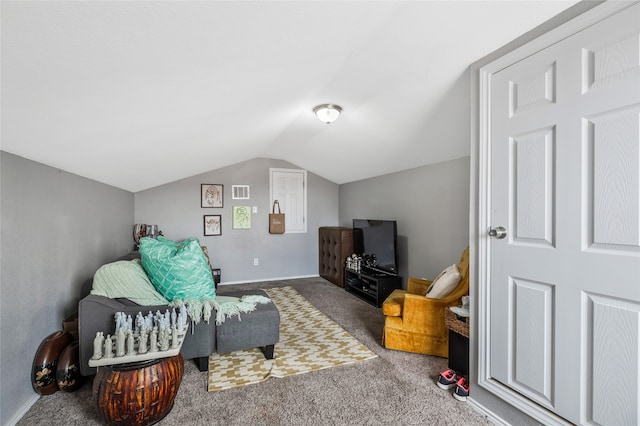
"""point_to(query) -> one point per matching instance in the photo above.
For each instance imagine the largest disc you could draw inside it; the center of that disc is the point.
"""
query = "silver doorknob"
(499, 232)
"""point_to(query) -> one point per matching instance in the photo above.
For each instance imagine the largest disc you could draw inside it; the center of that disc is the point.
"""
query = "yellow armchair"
(415, 323)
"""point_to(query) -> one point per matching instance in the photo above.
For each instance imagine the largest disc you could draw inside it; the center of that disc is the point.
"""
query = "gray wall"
(175, 207)
(57, 228)
(431, 205)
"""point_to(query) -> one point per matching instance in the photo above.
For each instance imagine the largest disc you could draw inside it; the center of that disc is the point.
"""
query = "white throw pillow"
(444, 283)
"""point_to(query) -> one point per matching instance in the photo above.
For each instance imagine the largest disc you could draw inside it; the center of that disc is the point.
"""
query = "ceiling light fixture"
(327, 113)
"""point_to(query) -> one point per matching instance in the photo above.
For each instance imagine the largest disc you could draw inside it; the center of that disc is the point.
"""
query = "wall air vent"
(240, 192)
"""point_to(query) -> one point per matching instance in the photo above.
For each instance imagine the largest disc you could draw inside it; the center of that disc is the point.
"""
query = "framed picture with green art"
(241, 217)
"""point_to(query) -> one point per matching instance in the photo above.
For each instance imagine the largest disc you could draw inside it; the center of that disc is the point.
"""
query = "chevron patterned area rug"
(309, 341)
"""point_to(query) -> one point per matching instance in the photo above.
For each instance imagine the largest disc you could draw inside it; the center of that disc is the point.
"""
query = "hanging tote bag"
(276, 220)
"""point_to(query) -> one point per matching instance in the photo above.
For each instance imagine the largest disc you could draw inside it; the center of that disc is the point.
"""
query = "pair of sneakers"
(449, 379)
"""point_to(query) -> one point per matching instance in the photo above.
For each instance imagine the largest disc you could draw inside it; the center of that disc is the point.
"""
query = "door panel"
(611, 332)
(533, 90)
(564, 286)
(534, 347)
(613, 179)
(607, 62)
(533, 167)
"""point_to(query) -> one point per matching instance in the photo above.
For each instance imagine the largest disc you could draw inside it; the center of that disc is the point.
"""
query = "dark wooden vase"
(45, 363)
(140, 393)
(68, 373)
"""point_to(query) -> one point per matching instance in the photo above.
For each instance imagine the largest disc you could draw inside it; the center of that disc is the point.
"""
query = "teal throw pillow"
(178, 270)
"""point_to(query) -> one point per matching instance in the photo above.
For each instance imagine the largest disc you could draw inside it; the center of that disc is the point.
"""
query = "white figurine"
(174, 337)
(142, 342)
(97, 345)
(153, 345)
(139, 322)
(120, 340)
(108, 347)
(130, 344)
(182, 318)
(149, 321)
(118, 318)
(129, 324)
(164, 339)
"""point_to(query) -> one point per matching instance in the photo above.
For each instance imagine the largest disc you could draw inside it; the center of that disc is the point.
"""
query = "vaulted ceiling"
(138, 94)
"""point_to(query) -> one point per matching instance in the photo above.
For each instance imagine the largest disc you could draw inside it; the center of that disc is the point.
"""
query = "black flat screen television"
(377, 242)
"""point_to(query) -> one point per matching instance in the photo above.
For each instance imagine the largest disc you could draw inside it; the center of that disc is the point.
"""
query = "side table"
(458, 342)
(137, 393)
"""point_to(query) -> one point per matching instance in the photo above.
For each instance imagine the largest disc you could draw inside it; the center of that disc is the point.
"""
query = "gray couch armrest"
(96, 313)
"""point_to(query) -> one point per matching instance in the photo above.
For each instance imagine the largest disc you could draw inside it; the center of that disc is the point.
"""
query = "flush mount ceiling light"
(327, 113)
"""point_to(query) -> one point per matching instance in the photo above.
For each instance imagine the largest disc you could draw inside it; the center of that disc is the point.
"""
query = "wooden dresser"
(334, 245)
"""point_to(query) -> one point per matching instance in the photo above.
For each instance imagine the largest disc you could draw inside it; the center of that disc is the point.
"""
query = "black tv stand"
(371, 286)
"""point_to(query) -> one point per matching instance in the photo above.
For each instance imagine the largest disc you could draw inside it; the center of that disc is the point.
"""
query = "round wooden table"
(137, 393)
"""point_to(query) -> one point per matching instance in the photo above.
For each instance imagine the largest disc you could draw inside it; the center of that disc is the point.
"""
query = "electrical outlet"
(255, 261)
(255, 209)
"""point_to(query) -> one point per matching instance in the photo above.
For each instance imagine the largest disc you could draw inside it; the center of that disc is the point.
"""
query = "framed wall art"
(211, 195)
(212, 225)
(241, 217)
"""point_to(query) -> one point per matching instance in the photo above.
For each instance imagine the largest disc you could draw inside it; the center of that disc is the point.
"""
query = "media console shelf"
(372, 287)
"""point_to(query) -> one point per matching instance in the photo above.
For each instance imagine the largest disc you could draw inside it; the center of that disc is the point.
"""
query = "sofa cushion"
(444, 283)
(178, 270)
(126, 279)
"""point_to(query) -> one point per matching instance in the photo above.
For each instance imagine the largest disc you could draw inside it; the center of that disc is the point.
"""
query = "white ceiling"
(138, 94)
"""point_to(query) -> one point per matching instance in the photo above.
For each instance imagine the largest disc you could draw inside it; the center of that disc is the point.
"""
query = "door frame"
(571, 21)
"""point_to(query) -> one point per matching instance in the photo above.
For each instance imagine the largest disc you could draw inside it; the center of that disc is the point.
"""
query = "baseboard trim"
(493, 417)
(23, 410)
(268, 279)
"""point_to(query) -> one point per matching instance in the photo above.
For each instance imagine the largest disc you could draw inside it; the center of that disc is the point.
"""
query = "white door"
(288, 186)
(564, 284)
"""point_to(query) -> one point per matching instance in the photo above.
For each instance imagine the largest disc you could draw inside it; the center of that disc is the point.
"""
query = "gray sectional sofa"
(256, 329)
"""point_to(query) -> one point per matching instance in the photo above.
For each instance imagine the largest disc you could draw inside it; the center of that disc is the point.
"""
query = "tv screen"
(377, 238)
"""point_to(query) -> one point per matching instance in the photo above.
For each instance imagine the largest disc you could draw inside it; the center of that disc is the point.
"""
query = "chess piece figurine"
(97, 346)
(129, 324)
(130, 344)
(182, 318)
(153, 345)
(120, 341)
(142, 342)
(164, 339)
(118, 318)
(108, 347)
(139, 322)
(174, 337)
